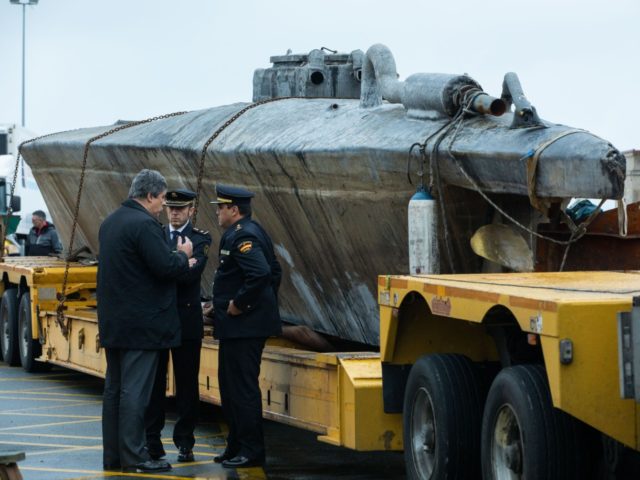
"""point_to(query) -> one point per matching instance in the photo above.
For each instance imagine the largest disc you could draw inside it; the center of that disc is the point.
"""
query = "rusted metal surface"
(601, 248)
(330, 178)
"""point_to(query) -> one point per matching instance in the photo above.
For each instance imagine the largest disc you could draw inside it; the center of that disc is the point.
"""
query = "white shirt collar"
(171, 229)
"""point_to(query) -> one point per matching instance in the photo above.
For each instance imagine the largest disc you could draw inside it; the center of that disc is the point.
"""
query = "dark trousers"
(186, 365)
(238, 373)
(127, 390)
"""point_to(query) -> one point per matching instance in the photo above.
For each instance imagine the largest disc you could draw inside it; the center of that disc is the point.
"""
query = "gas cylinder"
(423, 234)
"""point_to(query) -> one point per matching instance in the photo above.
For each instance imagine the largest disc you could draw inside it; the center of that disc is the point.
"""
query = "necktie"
(174, 237)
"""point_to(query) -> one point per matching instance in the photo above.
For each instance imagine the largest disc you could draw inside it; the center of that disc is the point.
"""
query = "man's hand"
(207, 309)
(185, 246)
(192, 262)
(232, 309)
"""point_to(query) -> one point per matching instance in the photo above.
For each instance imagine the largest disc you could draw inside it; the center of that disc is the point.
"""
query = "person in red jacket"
(43, 237)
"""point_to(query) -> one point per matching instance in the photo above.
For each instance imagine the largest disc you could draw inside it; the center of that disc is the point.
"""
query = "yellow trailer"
(513, 375)
(510, 373)
(31, 285)
(337, 395)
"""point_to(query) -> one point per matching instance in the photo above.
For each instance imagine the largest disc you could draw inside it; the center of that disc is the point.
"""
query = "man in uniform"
(137, 317)
(245, 313)
(186, 356)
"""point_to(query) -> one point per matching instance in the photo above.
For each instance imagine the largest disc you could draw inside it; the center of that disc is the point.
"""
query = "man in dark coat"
(186, 356)
(43, 237)
(245, 313)
(137, 316)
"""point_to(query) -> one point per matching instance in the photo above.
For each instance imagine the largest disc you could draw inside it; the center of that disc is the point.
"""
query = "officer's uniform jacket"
(188, 284)
(249, 274)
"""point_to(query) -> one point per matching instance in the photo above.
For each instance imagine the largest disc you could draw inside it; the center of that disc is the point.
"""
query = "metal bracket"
(629, 351)
(525, 115)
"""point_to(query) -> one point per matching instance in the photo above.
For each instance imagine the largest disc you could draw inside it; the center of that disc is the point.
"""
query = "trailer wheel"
(442, 418)
(524, 436)
(30, 349)
(9, 327)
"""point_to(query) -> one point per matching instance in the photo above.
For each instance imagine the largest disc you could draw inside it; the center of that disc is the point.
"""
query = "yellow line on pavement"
(100, 473)
(41, 388)
(256, 473)
(55, 415)
(46, 425)
(59, 451)
(48, 377)
(33, 444)
(51, 394)
(31, 409)
(38, 399)
(50, 435)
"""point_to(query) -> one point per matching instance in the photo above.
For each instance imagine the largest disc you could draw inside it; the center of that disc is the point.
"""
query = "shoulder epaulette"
(202, 232)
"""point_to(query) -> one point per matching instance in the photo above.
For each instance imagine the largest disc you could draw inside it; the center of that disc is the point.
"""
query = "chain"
(215, 135)
(62, 295)
(13, 189)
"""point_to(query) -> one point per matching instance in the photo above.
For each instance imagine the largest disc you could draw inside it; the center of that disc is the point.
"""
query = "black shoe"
(185, 454)
(156, 453)
(242, 462)
(150, 466)
(223, 456)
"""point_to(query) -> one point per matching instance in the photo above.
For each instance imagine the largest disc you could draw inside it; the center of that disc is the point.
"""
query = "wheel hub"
(423, 434)
(507, 454)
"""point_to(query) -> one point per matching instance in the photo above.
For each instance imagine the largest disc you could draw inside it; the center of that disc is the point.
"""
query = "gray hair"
(145, 182)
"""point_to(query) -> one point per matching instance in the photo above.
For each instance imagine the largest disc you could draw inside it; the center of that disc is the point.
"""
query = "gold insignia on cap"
(174, 194)
(245, 247)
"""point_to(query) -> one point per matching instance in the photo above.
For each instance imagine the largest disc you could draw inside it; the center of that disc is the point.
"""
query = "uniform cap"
(179, 198)
(232, 195)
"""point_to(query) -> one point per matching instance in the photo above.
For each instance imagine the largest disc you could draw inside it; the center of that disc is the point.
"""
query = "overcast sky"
(92, 62)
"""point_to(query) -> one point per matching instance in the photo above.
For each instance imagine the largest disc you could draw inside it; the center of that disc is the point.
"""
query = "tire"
(30, 349)
(9, 327)
(442, 418)
(524, 436)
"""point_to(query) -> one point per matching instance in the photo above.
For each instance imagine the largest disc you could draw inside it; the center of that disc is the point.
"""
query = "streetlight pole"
(24, 4)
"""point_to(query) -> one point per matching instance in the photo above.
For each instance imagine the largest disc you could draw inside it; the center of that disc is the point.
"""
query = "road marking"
(52, 394)
(37, 399)
(100, 473)
(51, 407)
(51, 435)
(56, 445)
(55, 415)
(41, 388)
(46, 425)
(58, 451)
(49, 377)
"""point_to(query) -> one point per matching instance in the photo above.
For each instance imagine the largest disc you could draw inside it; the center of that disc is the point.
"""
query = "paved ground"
(55, 418)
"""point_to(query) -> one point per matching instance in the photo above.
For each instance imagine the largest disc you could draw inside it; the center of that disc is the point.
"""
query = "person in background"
(186, 356)
(137, 317)
(245, 313)
(43, 237)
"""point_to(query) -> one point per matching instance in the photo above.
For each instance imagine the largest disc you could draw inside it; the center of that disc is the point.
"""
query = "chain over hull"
(331, 186)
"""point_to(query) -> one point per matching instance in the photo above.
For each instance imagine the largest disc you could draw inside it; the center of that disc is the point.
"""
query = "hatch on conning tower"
(316, 74)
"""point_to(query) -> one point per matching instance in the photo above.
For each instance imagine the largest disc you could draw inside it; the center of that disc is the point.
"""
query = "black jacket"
(189, 307)
(250, 274)
(136, 282)
(44, 243)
